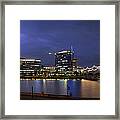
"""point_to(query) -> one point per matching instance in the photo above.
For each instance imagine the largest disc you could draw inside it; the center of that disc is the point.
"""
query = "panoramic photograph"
(59, 59)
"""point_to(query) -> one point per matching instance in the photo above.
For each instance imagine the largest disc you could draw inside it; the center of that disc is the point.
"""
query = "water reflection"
(90, 89)
(76, 88)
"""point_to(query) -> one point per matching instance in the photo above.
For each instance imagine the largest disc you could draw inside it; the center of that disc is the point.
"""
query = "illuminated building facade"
(74, 64)
(63, 60)
(29, 67)
(49, 71)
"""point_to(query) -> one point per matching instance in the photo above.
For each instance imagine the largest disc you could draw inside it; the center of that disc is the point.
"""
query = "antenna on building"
(71, 48)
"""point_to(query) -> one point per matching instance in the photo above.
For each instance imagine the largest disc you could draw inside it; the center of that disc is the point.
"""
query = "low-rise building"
(29, 67)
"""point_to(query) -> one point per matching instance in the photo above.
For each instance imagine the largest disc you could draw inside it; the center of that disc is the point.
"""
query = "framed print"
(59, 59)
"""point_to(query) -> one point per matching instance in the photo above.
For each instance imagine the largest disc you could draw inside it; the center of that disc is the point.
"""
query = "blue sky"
(38, 38)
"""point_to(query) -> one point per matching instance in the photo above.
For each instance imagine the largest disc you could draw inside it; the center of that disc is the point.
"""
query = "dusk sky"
(38, 38)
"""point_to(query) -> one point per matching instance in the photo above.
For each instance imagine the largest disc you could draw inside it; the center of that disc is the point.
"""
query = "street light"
(50, 53)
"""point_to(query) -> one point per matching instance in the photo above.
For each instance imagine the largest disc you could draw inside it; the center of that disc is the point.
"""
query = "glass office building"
(63, 60)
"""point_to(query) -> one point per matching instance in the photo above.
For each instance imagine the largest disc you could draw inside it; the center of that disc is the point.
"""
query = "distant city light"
(65, 67)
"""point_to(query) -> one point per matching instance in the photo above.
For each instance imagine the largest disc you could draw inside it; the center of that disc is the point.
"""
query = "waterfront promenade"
(41, 96)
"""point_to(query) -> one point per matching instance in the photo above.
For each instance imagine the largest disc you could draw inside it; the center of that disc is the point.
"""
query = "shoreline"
(42, 96)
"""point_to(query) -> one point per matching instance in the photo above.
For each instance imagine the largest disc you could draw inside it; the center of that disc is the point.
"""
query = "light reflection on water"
(77, 88)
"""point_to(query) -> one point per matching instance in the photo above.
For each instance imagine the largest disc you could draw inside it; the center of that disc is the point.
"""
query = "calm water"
(77, 88)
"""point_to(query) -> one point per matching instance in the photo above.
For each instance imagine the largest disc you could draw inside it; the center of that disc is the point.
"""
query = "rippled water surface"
(77, 88)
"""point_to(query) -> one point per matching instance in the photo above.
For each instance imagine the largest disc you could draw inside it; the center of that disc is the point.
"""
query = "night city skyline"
(42, 38)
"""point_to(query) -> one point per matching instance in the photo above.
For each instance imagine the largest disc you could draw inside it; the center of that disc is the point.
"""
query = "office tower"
(63, 60)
